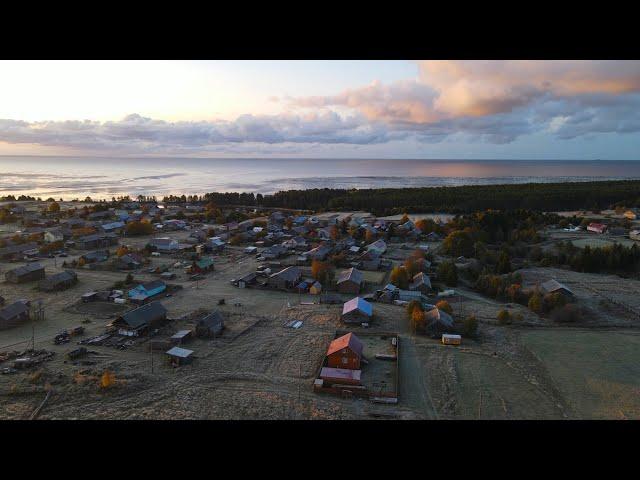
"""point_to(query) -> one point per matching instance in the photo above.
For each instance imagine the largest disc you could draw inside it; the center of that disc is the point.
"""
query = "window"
(345, 360)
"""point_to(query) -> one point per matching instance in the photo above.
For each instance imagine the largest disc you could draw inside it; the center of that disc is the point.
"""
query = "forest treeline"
(461, 199)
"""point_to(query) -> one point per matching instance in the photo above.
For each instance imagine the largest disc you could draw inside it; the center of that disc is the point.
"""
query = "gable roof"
(290, 273)
(144, 314)
(553, 285)
(358, 303)
(437, 316)
(213, 319)
(346, 341)
(352, 275)
(13, 310)
(26, 269)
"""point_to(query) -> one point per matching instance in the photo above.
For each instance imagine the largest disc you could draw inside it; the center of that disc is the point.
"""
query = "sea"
(104, 178)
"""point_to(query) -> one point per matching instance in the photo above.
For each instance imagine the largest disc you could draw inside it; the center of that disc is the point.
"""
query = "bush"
(448, 273)
(470, 326)
(504, 317)
(535, 303)
(400, 277)
(413, 305)
(139, 228)
(444, 306)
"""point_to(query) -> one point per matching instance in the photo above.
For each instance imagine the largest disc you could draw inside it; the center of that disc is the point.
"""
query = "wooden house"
(27, 273)
(345, 352)
(350, 281)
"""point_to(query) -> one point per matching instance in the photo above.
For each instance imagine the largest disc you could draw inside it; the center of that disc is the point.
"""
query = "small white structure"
(450, 339)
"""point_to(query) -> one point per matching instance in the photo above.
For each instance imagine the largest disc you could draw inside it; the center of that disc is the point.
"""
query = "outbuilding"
(59, 281)
(27, 273)
(179, 356)
(210, 326)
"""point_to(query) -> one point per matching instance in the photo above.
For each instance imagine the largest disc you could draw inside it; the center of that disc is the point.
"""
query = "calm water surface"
(106, 177)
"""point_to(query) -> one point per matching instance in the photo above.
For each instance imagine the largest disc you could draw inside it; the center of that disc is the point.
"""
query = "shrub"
(400, 277)
(448, 273)
(470, 326)
(504, 317)
(139, 228)
(444, 306)
(535, 303)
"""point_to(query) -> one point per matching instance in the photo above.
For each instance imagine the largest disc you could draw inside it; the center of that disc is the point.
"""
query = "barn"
(210, 325)
(553, 286)
(26, 273)
(345, 352)
(59, 281)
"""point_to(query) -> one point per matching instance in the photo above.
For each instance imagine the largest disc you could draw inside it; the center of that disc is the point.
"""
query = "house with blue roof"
(144, 291)
(357, 310)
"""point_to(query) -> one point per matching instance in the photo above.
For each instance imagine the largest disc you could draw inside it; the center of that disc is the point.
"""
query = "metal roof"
(358, 303)
(179, 352)
(144, 314)
(13, 310)
(352, 275)
(346, 341)
(553, 285)
(28, 268)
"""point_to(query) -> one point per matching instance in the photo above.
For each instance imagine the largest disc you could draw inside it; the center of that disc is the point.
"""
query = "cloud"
(500, 100)
(141, 134)
(486, 101)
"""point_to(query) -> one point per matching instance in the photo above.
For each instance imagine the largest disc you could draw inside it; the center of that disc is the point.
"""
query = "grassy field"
(601, 242)
(373, 277)
(598, 373)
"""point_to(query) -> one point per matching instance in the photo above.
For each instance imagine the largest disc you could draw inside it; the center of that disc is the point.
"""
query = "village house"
(286, 279)
(13, 315)
(315, 288)
(96, 256)
(129, 261)
(596, 227)
(553, 286)
(319, 253)
(27, 273)
(275, 251)
(378, 247)
(113, 227)
(369, 261)
(437, 320)
(357, 310)
(136, 322)
(350, 281)
(345, 352)
(144, 291)
(215, 244)
(97, 240)
(54, 235)
(421, 282)
(210, 326)
(17, 252)
(164, 244)
(58, 281)
(203, 265)
(247, 280)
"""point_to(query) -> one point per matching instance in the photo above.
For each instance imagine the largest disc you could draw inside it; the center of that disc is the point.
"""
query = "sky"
(328, 109)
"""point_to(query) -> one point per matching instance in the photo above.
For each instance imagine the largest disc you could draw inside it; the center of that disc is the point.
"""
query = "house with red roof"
(345, 352)
(596, 227)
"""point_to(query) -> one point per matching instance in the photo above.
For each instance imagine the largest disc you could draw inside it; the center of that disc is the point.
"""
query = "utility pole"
(151, 350)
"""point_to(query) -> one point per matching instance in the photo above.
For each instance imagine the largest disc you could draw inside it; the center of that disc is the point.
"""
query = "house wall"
(355, 316)
(349, 287)
(30, 277)
(344, 358)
